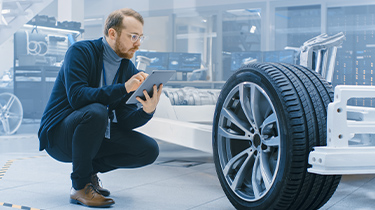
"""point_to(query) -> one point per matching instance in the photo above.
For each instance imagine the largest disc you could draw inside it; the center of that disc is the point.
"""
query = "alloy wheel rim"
(11, 113)
(249, 141)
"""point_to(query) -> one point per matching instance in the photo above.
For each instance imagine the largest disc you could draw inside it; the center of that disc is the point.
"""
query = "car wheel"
(268, 118)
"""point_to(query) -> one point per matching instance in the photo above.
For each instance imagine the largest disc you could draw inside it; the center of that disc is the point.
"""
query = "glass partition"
(355, 59)
(295, 25)
(241, 38)
(184, 43)
(195, 40)
(207, 45)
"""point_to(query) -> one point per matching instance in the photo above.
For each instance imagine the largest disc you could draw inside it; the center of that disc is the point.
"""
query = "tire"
(268, 118)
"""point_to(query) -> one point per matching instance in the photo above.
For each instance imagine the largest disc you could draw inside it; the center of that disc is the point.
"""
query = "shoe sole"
(73, 201)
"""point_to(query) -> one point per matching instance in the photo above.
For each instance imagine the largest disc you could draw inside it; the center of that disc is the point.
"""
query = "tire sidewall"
(262, 79)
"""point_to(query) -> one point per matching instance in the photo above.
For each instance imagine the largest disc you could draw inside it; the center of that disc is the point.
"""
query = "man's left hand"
(149, 105)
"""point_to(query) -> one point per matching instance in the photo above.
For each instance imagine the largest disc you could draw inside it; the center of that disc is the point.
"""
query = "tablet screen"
(156, 77)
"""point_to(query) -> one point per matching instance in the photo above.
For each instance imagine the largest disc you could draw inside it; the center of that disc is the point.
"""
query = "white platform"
(350, 135)
(168, 184)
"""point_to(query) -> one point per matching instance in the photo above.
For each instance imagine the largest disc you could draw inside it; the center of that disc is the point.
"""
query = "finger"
(136, 83)
(143, 75)
(140, 100)
(160, 90)
(146, 95)
(155, 91)
(140, 78)
(134, 80)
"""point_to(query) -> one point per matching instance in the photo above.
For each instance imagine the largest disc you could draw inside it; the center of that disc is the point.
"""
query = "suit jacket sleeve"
(130, 116)
(81, 73)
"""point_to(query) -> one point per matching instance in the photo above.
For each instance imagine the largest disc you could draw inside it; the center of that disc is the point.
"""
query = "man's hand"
(149, 105)
(135, 81)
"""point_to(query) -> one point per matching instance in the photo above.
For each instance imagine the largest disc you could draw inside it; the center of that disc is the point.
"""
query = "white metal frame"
(344, 122)
(187, 134)
(188, 126)
(350, 130)
(325, 48)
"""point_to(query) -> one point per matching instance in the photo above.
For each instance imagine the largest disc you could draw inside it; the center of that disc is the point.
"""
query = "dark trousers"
(79, 139)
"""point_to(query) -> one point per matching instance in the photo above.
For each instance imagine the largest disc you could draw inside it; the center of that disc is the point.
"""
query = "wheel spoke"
(268, 112)
(228, 135)
(234, 160)
(272, 142)
(254, 103)
(14, 115)
(265, 169)
(244, 94)
(10, 103)
(256, 186)
(241, 174)
(235, 120)
(269, 120)
(6, 126)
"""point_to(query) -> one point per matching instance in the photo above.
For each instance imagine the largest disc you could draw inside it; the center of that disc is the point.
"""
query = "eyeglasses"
(136, 37)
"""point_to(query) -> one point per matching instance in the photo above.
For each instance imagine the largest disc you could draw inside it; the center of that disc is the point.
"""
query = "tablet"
(156, 77)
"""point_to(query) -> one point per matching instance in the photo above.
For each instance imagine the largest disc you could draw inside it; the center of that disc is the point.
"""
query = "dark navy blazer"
(77, 85)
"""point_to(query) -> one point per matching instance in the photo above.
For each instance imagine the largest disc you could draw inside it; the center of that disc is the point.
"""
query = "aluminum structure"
(350, 130)
(350, 135)
(273, 121)
(319, 54)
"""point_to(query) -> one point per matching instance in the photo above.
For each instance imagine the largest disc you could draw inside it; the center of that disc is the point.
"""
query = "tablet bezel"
(156, 77)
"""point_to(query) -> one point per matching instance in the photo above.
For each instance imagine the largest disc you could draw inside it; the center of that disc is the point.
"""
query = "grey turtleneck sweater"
(111, 63)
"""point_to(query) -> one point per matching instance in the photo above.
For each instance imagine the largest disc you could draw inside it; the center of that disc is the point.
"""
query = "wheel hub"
(257, 141)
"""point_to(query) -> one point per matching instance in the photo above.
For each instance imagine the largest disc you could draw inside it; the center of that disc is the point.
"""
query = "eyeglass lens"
(135, 37)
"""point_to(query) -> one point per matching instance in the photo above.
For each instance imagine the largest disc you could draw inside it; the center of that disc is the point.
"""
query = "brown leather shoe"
(88, 196)
(95, 181)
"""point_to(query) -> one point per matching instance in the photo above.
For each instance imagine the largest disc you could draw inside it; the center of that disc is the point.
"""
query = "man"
(86, 120)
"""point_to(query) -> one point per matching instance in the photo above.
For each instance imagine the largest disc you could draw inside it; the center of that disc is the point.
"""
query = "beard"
(122, 52)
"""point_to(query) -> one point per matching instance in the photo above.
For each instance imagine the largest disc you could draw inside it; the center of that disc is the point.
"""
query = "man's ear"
(112, 33)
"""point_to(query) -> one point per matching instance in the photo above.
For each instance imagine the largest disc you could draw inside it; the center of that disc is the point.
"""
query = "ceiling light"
(252, 29)
(5, 11)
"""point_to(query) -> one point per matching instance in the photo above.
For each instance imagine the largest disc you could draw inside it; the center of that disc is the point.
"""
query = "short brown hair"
(114, 20)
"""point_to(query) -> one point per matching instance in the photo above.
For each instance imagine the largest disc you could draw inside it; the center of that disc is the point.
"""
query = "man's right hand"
(135, 81)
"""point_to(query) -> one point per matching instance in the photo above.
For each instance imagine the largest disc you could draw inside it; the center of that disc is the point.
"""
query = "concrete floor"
(181, 178)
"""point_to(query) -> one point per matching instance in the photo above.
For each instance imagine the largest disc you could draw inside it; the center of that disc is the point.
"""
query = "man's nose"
(137, 43)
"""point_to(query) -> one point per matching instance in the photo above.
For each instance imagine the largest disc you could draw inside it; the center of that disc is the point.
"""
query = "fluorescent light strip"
(52, 29)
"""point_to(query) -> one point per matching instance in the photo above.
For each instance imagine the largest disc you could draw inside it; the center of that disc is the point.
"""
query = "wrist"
(148, 111)
(126, 87)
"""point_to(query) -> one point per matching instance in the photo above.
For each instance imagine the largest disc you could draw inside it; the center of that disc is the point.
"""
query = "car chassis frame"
(350, 145)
